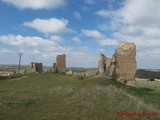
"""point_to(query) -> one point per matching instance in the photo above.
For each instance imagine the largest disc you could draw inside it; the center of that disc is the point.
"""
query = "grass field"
(52, 96)
(154, 85)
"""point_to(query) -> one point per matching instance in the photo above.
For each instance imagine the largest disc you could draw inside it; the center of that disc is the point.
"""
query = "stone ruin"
(122, 65)
(60, 65)
(54, 69)
(76, 74)
(102, 63)
(36, 67)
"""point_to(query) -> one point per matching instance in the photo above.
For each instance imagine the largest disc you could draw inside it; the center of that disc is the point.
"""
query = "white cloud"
(137, 21)
(45, 50)
(25, 41)
(93, 33)
(36, 52)
(52, 25)
(100, 50)
(105, 13)
(152, 32)
(108, 42)
(135, 12)
(141, 12)
(100, 38)
(56, 38)
(36, 4)
(77, 15)
(77, 40)
(4, 51)
(91, 2)
(82, 57)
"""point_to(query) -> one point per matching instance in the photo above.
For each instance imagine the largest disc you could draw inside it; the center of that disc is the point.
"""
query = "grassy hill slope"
(52, 96)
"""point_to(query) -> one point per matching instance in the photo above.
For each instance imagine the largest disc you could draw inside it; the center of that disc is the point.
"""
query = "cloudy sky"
(42, 29)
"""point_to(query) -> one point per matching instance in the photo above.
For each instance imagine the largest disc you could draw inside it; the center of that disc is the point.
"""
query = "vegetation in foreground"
(52, 96)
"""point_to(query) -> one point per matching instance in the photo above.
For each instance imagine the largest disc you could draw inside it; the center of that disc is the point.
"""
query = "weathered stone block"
(102, 64)
(60, 65)
(36, 67)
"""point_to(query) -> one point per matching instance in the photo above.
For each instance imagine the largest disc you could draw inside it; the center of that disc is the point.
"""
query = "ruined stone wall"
(32, 67)
(125, 69)
(110, 67)
(54, 69)
(61, 63)
(102, 64)
(122, 65)
(36, 67)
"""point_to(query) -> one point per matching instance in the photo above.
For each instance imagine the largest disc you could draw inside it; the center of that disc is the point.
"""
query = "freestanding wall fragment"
(54, 69)
(125, 67)
(110, 67)
(102, 64)
(61, 63)
(122, 65)
(106, 65)
(36, 67)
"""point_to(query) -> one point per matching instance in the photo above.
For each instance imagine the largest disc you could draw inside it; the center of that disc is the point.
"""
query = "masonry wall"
(102, 64)
(125, 62)
(122, 65)
(61, 63)
(36, 67)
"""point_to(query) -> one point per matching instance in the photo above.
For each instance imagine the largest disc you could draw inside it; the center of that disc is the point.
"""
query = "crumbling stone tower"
(36, 67)
(122, 65)
(125, 66)
(102, 64)
(60, 65)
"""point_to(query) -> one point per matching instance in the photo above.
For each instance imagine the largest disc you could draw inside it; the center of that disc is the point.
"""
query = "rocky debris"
(60, 65)
(70, 72)
(47, 70)
(76, 74)
(36, 67)
(79, 75)
(122, 65)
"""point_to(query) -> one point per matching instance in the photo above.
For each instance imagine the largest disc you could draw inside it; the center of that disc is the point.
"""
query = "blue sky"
(81, 29)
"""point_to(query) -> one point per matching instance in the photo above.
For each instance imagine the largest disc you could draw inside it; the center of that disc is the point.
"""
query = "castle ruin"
(60, 65)
(102, 64)
(36, 67)
(122, 65)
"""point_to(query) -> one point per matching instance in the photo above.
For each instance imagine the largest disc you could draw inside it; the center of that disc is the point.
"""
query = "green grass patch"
(148, 93)
(52, 96)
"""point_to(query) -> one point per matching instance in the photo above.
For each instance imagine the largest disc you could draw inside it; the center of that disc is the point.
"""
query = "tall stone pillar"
(61, 63)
